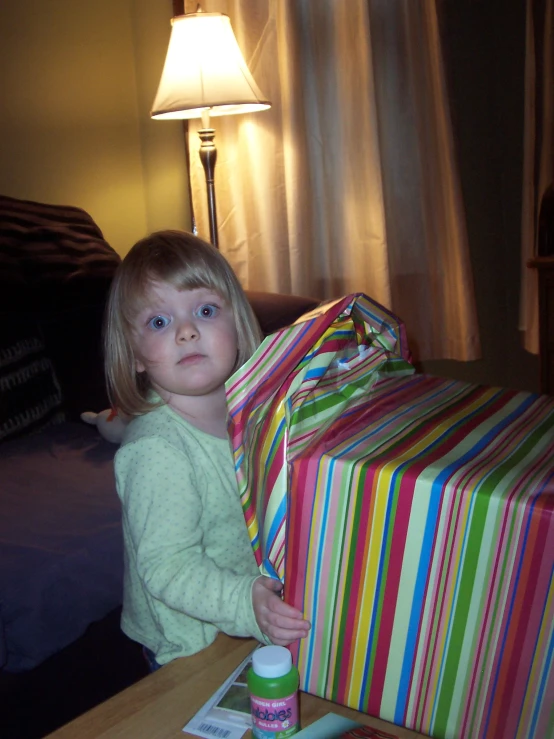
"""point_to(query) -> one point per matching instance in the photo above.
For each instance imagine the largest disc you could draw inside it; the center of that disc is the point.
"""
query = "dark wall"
(484, 47)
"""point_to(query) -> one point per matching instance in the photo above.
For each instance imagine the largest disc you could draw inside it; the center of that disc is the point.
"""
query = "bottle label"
(274, 718)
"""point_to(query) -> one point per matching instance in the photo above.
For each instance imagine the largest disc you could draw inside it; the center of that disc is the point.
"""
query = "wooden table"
(158, 706)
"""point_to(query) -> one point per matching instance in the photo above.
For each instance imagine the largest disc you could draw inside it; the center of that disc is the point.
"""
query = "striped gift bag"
(289, 393)
(412, 520)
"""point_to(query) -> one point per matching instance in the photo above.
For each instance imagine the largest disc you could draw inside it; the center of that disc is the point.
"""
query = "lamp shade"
(204, 68)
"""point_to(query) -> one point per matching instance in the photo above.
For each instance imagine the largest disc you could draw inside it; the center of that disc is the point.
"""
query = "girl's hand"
(281, 622)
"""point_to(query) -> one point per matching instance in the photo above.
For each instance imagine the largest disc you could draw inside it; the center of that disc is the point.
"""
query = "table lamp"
(205, 75)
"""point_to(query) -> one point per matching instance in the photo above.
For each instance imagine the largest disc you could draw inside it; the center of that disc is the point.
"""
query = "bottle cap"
(271, 661)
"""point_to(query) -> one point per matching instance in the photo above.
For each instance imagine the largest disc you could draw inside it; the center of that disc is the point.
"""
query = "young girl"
(177, 326)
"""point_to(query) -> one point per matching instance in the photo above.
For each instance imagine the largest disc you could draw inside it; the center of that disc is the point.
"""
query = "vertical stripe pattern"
(411, 519)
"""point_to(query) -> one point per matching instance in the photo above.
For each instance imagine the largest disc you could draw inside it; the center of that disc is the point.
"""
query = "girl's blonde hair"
(187, 263)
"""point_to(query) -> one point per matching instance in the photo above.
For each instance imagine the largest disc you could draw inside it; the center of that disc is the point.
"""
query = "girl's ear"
(139, 367)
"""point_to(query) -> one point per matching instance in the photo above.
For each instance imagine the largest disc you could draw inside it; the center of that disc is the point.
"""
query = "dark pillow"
(30, 394)
(23, 215)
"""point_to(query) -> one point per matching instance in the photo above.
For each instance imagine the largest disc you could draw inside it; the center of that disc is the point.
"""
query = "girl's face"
(185, 341)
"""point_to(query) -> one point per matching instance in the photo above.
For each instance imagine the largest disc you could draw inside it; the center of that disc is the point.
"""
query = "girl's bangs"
(180, 276)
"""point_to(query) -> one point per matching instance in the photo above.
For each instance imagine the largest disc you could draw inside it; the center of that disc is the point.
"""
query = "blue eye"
(158, 322)
(207, 311)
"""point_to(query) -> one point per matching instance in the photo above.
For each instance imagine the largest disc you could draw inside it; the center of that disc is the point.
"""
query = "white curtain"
(348, 183)
(538, 162)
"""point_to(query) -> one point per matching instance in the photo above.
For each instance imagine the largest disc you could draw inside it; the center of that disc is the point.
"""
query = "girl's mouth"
(191, 359)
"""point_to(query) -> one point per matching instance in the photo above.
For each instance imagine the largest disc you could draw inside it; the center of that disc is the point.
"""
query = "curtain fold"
(348, 183)
(538, 153)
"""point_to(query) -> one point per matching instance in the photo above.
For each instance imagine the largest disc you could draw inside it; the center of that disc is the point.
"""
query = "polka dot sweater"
(189, 566)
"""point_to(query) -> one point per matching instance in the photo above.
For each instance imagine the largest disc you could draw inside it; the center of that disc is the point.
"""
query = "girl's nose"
(187, 332)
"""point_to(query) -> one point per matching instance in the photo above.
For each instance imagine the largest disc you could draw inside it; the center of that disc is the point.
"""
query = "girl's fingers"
(277, 621)
(284, 609)
(283, 637)
(290, 624)
(271, 584)
(282, 621)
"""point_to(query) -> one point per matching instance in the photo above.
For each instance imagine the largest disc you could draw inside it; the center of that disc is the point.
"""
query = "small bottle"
(273, 684)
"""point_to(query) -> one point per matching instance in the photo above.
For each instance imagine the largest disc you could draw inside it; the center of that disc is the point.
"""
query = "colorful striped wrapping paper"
(411, 521)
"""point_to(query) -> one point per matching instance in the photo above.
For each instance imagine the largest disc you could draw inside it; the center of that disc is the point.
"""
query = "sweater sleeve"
(162, 504)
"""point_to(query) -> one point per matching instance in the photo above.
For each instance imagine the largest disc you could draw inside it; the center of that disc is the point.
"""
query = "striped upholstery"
(415, 528)
(30, 394)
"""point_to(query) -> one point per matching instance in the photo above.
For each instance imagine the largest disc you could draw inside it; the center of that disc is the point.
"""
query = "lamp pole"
(208, 157)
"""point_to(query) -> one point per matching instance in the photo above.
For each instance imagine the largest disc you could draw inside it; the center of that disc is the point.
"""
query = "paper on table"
(226, 715)
(333, 726)
(329, 726)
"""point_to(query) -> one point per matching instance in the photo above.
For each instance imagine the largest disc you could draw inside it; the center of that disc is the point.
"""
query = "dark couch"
(60, 544)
